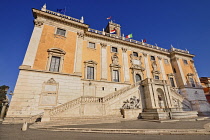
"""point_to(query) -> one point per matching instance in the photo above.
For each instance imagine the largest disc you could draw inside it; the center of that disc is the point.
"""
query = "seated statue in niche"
(161, 102)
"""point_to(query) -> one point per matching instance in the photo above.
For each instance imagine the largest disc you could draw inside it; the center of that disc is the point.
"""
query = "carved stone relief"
(38, 23)
(115, 59)
(80, 34)
(49, 93)
(133, 103)
(103, 45)
(136, 62)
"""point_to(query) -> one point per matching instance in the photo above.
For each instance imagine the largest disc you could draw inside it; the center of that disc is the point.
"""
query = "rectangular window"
(135, 54)
(172, 82)
(166, 61)
(157, 77)
(114, 49)
(115, 75)
(91, 45)
(185, 61)
(192, 82)
(55, 64)
(152, 58)
(90, 72)
(61, 32)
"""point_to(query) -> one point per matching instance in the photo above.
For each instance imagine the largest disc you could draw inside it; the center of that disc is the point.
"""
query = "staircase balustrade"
(65, 106)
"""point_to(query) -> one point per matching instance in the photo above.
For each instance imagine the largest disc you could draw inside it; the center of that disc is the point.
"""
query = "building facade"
(205, 82)
(71, 70)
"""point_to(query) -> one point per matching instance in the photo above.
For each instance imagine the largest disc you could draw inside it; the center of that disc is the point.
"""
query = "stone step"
(99, 118)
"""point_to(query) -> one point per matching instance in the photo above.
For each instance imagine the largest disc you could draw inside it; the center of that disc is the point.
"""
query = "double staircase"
(92, 107)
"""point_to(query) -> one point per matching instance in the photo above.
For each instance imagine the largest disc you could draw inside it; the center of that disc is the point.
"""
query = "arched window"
(138, 77)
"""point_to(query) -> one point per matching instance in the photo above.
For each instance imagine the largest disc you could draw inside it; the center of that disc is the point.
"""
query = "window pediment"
(91, 62)
(190, 74)
(56, 50)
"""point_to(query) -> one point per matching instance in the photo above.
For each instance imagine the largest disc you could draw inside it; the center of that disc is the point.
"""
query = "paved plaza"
(13, 131)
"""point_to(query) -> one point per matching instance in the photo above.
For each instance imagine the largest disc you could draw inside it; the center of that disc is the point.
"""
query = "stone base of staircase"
(84, 118)
(18, 120)
(184, 114)
(154, 114)
(62, 121)
(159, 114)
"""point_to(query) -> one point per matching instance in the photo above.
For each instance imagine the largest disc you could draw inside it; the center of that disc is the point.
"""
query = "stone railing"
(65, 106)
(119, 92)
(91, 100)
(64, 16)
(178, 50)
(135, 41)
(83, 99)
(181, 98)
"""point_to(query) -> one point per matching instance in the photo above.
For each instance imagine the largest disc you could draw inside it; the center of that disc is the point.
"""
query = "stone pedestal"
(161, 114)
(155, 114)
(46, 116)
(131, 113)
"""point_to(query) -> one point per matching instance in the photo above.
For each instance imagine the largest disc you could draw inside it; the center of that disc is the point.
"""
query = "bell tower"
(113, 26)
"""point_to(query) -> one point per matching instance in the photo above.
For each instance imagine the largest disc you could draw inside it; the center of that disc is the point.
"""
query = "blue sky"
(182, 23)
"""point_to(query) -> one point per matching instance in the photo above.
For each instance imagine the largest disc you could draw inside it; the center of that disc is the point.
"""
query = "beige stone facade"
(71, 70)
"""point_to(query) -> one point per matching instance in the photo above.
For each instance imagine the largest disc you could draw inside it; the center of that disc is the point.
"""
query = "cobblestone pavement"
(13, 132)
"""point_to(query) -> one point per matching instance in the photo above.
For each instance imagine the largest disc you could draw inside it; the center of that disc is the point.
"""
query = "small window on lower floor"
(135, 54)
(192, 82)
(55, 64)
(114, 49)
(152, 57)
(185, 61)
(172, 82)
(115, 75)
(166, 61)
(157, 77)
(90, 72)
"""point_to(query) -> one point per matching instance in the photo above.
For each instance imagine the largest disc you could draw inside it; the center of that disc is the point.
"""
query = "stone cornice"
(123, 42)
(44, 71)
(181, 54)
(59, 18)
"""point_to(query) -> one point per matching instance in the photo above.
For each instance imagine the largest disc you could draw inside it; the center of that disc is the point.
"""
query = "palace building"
(205, 82)
(72, 71)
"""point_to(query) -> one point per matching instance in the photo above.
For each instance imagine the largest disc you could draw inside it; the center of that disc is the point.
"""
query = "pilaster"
(78, 54)
(162, 70)
(103, 61)
(125, 65)
(196, 73)
(33, 44)
(146, 66)
(181, 71)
